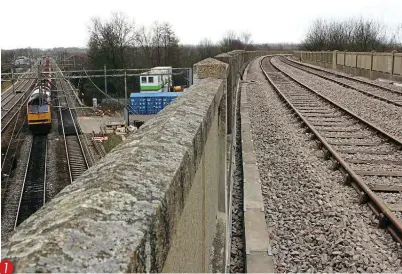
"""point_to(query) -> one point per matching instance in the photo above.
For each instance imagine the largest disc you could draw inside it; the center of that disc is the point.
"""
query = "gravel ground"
(382, 114)
(317, 225)
(237, 241)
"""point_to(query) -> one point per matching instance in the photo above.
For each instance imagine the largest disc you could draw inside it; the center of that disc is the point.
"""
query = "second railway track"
(33, 193)
(75, 145)
(371, 158)
(369, 89)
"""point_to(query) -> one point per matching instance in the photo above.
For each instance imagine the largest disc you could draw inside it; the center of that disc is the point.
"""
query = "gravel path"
(316, 222)
(237, 241)
(382, 114)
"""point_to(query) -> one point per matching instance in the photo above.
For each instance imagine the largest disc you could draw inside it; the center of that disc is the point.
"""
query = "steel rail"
(65, 97)
(65, 142)
(76, 131)
(381, 98)
(387, 218)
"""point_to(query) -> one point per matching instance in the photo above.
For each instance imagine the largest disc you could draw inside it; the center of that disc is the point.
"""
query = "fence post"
(371, 64)
(344, 60)
(393, 64)
(334, 59)
(356, 60)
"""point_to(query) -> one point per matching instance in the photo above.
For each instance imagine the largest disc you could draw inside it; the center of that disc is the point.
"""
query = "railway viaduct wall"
(157, 202)
(372, 65)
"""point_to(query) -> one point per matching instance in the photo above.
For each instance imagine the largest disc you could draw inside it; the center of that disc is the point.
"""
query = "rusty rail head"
(393, 224)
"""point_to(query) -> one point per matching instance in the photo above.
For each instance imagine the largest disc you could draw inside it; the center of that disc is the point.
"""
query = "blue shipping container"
(151, 102)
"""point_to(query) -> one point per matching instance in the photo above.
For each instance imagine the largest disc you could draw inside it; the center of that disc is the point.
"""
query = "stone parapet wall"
(126, 213)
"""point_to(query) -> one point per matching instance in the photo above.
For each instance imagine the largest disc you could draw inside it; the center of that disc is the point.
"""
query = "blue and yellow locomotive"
(39, 103)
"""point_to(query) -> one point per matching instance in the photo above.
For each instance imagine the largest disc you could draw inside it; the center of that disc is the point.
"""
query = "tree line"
(352, 35)
(119, 43)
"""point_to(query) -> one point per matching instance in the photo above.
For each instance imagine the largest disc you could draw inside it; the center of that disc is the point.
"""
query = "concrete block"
(251, 173)
(253, 196)
(245, 116)
(246, 136)
(248, 157)
(256, 233)
(245, 125)
(259, 262)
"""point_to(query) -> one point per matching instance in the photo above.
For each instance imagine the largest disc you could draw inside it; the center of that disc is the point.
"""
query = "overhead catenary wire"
(127, 106)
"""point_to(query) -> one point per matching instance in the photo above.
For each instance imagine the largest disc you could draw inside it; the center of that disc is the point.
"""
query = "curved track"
(366, 153)
(369, 89)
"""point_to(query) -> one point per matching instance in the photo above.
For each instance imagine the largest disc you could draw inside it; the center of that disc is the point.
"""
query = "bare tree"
(245, 38)
(110, 41)
(143, 40)
(230, 41)
(169, 43)
(205, 48)
(352, 35)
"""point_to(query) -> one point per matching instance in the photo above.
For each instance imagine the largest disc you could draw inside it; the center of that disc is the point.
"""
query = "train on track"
(39, 103)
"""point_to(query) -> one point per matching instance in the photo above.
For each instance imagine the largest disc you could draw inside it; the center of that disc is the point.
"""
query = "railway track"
(73, 140)
(11, 95)
(9, 91)
(13, 144)
(370, 158)
(13, 107)
(369, 89)
(99, 148)
(33, 193)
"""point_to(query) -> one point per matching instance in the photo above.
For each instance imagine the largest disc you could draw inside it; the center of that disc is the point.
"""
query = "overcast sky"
(50, 23)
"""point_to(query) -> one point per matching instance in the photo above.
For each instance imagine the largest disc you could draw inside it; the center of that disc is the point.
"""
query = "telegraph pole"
(40, 87)
(12, 78)
(104, 68)
(126, 114)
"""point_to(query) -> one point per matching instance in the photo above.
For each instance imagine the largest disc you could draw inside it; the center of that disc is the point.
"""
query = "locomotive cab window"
(143, 79)
(150, 79)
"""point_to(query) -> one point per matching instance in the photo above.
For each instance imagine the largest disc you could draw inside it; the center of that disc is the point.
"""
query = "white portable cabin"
(167, 79)
(156, 83)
